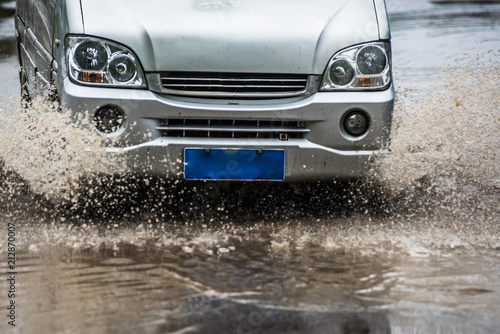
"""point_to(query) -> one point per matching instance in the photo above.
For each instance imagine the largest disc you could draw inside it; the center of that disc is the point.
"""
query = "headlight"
(341, 72)
(363, 67)
(96, 61)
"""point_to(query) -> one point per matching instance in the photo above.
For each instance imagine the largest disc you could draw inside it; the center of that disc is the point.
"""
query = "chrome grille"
(221, 128)
(233, 84)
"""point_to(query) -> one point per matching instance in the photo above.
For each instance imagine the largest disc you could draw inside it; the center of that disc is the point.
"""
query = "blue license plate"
(234, 164)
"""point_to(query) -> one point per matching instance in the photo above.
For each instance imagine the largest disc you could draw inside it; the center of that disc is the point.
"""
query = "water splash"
(48, 149)
(438, 188)
(445, 148)
(454, 131)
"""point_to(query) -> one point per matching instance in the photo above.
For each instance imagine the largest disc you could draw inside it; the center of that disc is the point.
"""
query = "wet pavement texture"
(412, 248)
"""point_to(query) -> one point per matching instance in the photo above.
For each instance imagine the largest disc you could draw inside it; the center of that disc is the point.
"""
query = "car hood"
(267, 36)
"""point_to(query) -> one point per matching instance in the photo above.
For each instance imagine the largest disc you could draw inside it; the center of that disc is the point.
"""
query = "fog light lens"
(109, 119)
(356, 123)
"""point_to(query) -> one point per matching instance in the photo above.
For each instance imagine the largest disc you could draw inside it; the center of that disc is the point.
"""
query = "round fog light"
(356, 123)
(109, 119)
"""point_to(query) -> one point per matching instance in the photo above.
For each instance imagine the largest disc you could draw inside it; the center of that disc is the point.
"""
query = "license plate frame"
(234, 164)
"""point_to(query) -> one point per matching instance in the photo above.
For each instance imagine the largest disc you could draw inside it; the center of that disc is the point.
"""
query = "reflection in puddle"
(253, 289)
(246, 289)
(250, 318)
(243, 290)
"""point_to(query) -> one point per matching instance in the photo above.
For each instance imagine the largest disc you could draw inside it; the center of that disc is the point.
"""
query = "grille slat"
(208, 86)
(231, 80)
(199, 83)
(232, 129)
(208, 128)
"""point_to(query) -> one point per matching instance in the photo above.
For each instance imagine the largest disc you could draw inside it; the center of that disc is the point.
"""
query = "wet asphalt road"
(413, 248)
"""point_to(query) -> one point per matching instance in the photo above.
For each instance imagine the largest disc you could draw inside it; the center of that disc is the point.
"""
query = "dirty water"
(412, 248)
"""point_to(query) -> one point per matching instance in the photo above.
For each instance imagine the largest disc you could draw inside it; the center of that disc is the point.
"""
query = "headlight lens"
(122, 67)
(371, 60)
(341, 72)
(91, 56)
(95, 61)
(363, 67)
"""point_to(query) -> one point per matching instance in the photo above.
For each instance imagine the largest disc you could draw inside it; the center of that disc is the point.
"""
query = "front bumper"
(325, 152)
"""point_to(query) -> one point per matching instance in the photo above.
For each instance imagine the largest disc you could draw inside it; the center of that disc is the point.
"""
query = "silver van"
(276, 90)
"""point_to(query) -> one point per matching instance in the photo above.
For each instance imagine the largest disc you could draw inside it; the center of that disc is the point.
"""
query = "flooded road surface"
(412, 248)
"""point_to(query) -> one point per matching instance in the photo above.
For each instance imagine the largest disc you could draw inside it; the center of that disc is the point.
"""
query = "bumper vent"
(210, 128)
(254, 85)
